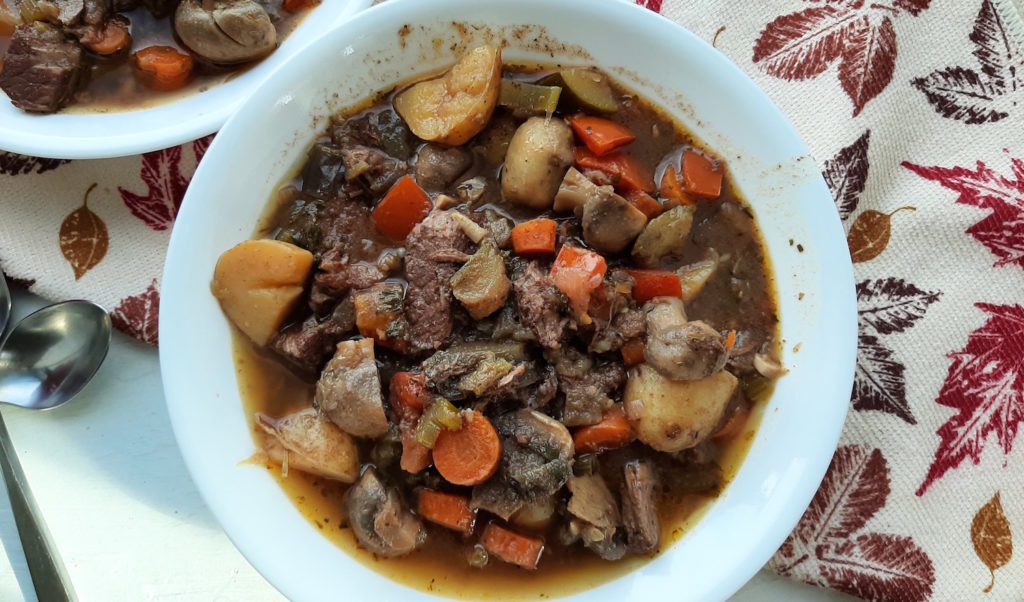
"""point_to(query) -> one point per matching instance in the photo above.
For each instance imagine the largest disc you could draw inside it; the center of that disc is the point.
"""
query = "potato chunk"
(453, 108)
(308, 441)
(673, 415)
(258, 282)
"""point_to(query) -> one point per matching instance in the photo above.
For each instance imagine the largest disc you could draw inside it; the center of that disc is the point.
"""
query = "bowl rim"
(785, 514)
(97, 135)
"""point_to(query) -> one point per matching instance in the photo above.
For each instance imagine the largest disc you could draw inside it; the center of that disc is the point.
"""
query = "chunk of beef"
(379, 519)
(541, 306)
(161, 8)
(348, 391)
(500, 495)
(323, 176)
(307, 346)
(543, 452)
(473, 369)
(639, 508)
(374, 169)
(438, 166)
(382, 129)
(42, 68)
(337, 275)
(589, 396)
(429, 296)
(595, 516)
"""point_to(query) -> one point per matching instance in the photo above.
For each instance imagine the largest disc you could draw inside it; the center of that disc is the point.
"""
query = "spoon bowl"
(52, 354)
(5, 304)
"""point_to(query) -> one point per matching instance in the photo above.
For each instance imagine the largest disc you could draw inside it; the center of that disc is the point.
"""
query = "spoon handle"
(48, 574)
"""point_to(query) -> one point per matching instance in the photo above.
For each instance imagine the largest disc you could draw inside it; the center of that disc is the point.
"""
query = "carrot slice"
(294, 6)
(404, 206)
(645, 203)
(512, 547)
(577, 272)
(113, 38)
(648, 284)
(162, 68)
(701, 176)
(470, 455)
(630, 173)
(535, 237)
(446, 509)
(672, 190)
(601, 136)
(415, 455)
(632, 352)
(613, 431)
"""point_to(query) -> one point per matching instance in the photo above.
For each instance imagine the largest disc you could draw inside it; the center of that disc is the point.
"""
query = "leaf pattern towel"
(914, 111)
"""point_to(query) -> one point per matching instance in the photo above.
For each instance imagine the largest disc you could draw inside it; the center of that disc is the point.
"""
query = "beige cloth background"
(914, 109)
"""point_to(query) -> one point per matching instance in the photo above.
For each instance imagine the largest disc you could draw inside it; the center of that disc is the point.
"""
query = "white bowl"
(270, 134)
(82, 135)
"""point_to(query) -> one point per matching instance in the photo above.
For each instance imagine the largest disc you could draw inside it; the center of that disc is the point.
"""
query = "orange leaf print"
(870, 234)
(83, 238)
(990, 534)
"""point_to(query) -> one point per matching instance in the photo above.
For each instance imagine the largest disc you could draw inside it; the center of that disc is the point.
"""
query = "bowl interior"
(708, 94)
(72, 135)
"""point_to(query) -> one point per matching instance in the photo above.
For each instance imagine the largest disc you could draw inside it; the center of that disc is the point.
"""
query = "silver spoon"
(44, 362)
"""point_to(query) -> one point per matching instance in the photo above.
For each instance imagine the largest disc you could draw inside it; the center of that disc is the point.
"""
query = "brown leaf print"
(137, 315)
(161, 171)
(892, 304)
(200, 146)
(1003, 230)
(12, 164)
(803, 45)
(869, 59)
(83, 238)
(985, 384)
(972, 97)
(830, 547)
(990, 534)
(870, 234)
(847, 173)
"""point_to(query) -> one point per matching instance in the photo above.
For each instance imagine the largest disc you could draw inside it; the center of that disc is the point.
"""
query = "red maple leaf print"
(965, 94)
(137, 315)
(654, 5)
(830, 547)
(985, 384)
(161, 171)
(1003, 230)
(803, 44)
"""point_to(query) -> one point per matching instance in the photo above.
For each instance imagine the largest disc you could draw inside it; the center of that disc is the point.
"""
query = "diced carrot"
(633, 352)
(613, 431)
(577, 272)
(470, 455)
(648, 284)
(446, 509)
(701, 176)
(535, 237)
(409, 394)
(601, 136)
(415, 455)
(162, 68)
(113, 38)
(630, 173)
(404, 206)
(294, 6)
(512, 547)
(672, 190)
(645, 203)
(730, 340)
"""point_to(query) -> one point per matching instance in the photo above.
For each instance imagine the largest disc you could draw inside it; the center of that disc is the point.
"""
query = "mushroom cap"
(225, 31)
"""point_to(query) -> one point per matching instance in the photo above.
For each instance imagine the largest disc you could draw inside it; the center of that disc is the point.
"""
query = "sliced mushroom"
(225, 31)
(678, 349)
(610, 222)
(308, 441)
(379, 519)
(596, 516)
(538, 156)
(348, 391)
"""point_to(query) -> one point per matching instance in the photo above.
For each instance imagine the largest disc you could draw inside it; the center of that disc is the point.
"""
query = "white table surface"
(126, 517)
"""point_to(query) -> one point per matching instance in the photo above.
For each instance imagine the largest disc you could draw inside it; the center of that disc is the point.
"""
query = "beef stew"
(532, 355)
